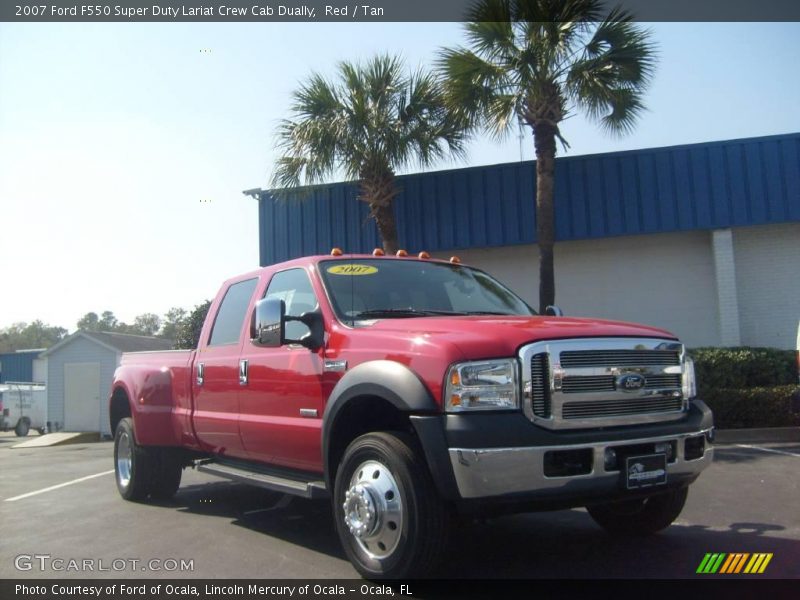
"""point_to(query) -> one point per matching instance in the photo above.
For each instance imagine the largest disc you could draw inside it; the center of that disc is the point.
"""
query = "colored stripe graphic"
(711, 562)
(733, 563)
(758, 563)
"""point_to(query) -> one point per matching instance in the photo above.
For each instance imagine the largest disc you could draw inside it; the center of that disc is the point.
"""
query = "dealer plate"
(645, 471)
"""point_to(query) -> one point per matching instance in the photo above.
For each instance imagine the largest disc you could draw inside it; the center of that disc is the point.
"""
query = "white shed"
(80, 369)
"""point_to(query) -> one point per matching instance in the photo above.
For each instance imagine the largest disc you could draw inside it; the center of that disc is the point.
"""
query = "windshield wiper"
(377, 313)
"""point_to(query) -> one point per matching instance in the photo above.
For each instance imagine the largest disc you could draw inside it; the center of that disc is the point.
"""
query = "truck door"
(215, 381)
(282, 402)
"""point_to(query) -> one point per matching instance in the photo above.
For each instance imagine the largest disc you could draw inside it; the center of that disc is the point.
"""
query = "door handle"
(200, 372)
(243, 372)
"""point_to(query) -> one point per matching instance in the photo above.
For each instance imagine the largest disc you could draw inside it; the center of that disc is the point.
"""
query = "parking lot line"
(60, 485)
(773, 450)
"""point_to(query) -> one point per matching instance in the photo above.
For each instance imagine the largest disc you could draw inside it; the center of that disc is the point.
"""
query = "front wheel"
(389, 517)
(640, 517)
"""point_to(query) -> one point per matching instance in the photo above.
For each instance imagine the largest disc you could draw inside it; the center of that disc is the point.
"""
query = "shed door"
(82, 397)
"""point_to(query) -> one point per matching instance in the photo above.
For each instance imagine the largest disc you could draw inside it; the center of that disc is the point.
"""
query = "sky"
(124, 148)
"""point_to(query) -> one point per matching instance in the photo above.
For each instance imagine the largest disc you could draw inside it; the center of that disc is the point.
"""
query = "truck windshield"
(364, 289)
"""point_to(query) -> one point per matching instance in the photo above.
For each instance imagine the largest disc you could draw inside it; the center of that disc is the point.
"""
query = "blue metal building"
(709, 233)
(744, 182)
(17, 366)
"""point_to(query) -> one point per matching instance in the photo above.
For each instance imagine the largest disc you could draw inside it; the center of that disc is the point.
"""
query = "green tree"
(88, 322)
(146, 324)
(366, 126)
(23, 336)
(536, 62)
(108, 322)
(172, 321)
(189, 331)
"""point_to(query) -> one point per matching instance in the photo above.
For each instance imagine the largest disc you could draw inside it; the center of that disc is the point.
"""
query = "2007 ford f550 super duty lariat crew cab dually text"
(410, 390)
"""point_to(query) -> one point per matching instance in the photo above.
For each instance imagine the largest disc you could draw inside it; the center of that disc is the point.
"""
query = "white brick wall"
(768, 282)
(666, 280)
(727, 287)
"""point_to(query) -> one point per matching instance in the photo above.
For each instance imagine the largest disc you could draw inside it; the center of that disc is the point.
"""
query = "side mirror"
(269, 323)
(316, 329)
(553, 311)
(268, 329)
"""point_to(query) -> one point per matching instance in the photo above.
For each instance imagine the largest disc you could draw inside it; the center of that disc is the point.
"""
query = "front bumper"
(489, 472)
(499, 458)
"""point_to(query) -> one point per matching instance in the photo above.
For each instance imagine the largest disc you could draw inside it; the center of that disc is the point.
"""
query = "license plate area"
(645, 471)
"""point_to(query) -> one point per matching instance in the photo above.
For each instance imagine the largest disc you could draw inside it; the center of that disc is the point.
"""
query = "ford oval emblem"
(630, 382)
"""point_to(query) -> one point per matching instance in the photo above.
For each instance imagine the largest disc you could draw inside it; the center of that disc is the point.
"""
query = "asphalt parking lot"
(746, 502)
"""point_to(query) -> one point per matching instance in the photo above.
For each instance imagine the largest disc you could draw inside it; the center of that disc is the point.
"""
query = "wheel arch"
(119, 406)
(373, 396)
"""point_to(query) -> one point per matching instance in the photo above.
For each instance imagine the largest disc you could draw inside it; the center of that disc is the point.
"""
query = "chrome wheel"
(373, 509)
(124, 460)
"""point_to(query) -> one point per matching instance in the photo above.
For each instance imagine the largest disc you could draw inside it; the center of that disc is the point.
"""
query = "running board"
(277, 483)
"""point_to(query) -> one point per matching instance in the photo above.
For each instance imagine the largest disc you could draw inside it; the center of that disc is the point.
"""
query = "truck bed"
(163, 395)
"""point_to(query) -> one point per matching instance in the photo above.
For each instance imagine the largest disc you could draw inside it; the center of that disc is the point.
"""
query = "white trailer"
(23, 406)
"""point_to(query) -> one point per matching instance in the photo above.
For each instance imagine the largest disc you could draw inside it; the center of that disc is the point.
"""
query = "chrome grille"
(571, 384)
(618, 358)
(611, 408)
(606, 383)
(540, 385)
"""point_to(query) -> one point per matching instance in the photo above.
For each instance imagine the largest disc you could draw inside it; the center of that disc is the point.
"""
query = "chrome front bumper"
(497, 472)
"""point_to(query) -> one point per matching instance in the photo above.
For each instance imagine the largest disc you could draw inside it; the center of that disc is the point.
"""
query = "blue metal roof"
(17, 366)
(712, 185)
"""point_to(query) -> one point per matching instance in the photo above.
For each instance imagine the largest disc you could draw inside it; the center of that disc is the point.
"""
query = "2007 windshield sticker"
(352, 270)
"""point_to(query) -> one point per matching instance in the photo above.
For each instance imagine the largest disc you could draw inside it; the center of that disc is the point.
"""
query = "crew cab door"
(282, 401)
(215, 381)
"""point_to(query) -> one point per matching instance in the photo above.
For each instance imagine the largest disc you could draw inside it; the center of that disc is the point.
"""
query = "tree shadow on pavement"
(559, 544)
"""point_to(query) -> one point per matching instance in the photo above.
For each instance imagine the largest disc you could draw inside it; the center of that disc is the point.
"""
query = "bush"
(743, 367)
(754, 407)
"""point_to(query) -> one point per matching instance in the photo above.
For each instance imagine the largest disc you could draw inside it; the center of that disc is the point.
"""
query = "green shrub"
(743, 367)
(753, 407)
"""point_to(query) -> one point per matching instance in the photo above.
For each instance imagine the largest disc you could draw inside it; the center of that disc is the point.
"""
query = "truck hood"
(498, 336)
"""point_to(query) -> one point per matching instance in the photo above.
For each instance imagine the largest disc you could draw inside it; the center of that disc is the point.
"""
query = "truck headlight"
(689, 383)
(482, 385)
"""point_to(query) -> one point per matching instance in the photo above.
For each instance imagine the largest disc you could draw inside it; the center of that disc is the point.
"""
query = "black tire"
(385, 472)
(640, 517)
(133, 465)
(42, 430)
(167, 470)
(22, 428)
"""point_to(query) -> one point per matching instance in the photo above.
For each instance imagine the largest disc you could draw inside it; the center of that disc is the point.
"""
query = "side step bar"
(277, 483)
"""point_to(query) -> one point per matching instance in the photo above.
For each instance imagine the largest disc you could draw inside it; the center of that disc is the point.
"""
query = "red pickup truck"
(410, 390)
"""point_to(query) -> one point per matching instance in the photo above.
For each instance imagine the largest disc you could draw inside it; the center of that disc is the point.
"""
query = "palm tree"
(536, 62)
(366, 126)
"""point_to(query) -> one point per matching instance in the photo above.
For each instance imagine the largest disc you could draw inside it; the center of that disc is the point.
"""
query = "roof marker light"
(401, 252)
(378, 252)
(336, 252)
(423, 254)
(455, 260)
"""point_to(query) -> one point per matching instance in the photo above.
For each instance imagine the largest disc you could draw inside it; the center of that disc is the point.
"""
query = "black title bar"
(365, 11)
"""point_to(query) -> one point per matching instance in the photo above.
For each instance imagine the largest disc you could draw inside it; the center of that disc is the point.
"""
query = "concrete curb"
(771, 434)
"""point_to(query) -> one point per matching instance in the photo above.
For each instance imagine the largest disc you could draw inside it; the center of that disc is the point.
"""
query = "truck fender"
(150, 403)
(387, 379)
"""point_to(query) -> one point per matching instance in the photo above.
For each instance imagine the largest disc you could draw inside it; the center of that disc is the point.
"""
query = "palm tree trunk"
(378, 191)
(544, 140)
(387, 226)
